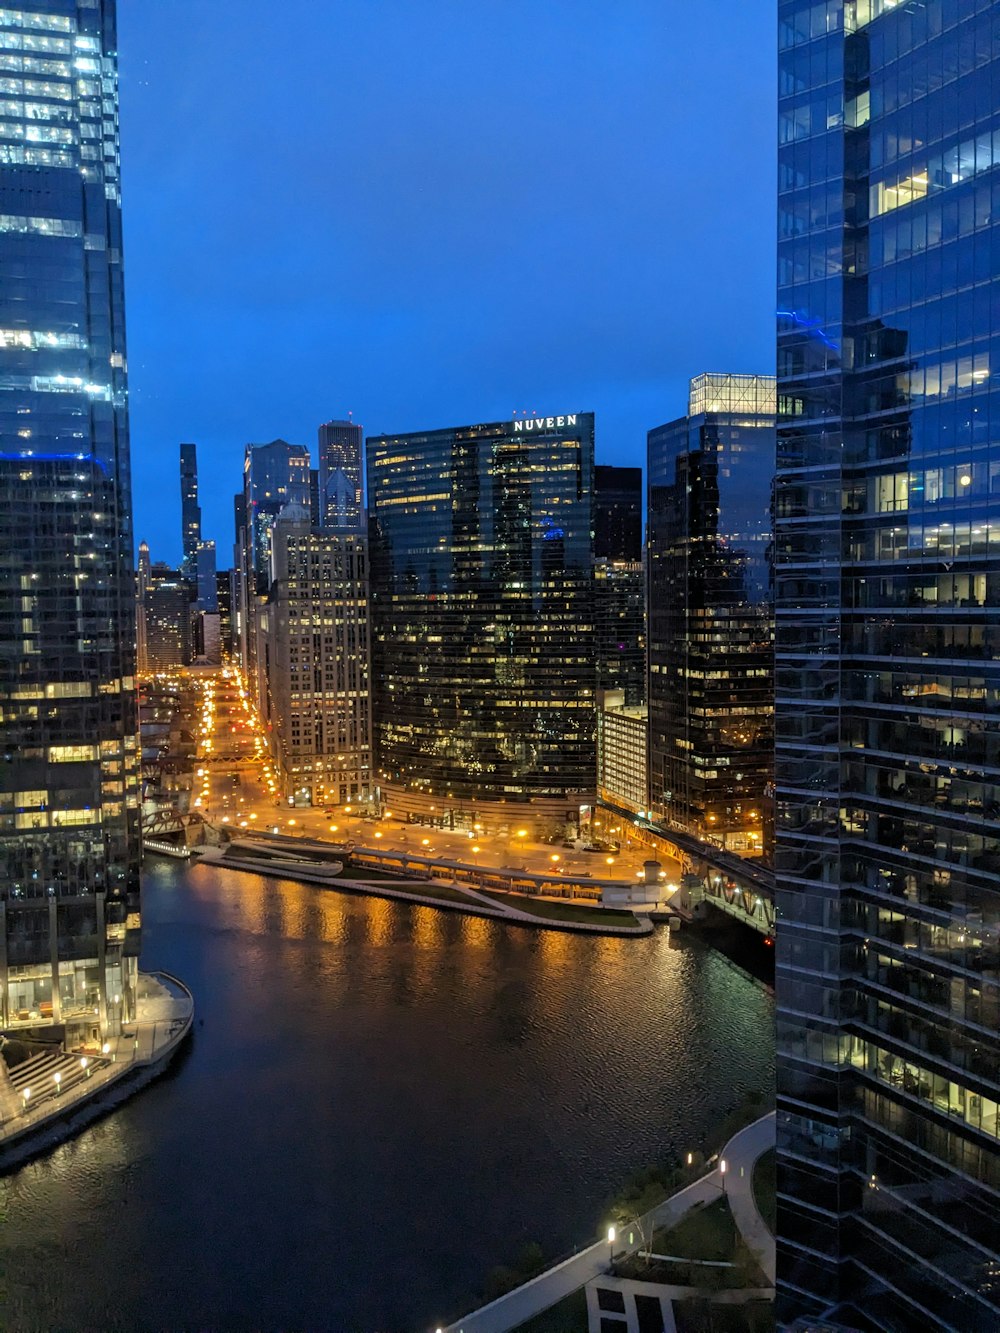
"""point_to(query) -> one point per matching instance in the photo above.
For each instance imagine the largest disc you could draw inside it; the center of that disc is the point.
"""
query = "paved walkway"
(740, 1153)
(164, 1011)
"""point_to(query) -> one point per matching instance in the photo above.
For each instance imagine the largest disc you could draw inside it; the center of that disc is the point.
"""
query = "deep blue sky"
(431, 212)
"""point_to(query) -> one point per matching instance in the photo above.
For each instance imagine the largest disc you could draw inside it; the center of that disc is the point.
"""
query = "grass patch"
(764, 1191)
(567, 1316)
(700, 1316)
(708, 1233)
(555, 911)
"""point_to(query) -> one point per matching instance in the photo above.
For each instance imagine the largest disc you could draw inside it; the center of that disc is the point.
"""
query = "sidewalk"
(740, 1153)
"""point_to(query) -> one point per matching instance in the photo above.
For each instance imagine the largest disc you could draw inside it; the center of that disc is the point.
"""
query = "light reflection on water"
(382, 1103)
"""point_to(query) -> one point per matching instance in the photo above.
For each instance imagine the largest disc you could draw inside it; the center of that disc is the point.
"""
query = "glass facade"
(190, 508)
(340, 468)
(618, 513)
(887, 671)
(620, 627)
(482, 608)
(69, 806)
(710, 635)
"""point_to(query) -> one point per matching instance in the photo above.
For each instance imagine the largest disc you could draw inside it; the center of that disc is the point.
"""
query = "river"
(380, 1103)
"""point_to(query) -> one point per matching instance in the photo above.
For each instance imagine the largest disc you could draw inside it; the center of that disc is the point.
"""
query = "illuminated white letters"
(544, 423)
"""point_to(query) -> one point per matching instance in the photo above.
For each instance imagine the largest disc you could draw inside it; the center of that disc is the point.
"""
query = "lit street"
(235, 786)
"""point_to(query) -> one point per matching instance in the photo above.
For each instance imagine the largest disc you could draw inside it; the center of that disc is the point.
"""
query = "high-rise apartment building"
(482, 611)
(340, 471)
(888, 664)
(69, 796)
(710, 629)
(313, 655)
(190, 509)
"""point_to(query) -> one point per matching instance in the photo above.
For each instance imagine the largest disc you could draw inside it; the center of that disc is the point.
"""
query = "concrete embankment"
(453, 898)
(50, 1110)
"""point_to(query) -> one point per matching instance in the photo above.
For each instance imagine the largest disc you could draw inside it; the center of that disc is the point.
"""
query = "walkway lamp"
(723, 1165)
(612, 1233)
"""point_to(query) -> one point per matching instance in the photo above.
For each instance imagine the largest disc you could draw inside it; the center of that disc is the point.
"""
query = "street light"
(723, 1165)
(612, 1233)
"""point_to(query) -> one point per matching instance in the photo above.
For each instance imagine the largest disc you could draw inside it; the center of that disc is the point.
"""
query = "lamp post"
(723, 1166)
(612, 1233)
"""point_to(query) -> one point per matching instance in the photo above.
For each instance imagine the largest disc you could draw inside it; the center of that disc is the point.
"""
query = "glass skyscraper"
(190, 509)
(482, 609)
(69, 807)
(339, 481)
(888, 664)
(710, 637)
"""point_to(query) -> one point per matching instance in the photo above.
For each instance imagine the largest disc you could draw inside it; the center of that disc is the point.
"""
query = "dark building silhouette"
(887, 667)
(618, 513)
(620, 628)
(190, 510)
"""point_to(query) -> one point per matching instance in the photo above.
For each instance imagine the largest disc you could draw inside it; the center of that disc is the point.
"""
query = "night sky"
(432, 212)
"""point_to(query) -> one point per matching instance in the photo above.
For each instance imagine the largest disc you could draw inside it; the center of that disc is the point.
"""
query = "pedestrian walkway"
(543, 1291)
(740, 1153)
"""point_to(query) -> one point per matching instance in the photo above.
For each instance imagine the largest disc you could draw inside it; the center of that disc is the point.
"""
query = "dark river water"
(379, 1104)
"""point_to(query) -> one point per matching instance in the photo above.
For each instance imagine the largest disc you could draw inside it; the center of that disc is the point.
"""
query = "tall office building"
(190, 509)
(224, 579)
(169, 620)
(710, 631)
(482, 612)
(206, 598)
(619, 582)
(888, 664)
(69, 797)
(618, 513)
(340, 467)
(143, 570)
(274, 475)
(314, 657)
(620, 628)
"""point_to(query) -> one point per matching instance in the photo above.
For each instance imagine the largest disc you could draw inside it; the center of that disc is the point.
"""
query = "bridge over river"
(741, 888)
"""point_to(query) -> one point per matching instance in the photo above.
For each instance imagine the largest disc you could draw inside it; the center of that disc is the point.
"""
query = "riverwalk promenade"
(740, 1153)
(54, 1093)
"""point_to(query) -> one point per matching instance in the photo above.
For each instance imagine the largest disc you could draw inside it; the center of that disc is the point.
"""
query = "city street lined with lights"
(236, 788)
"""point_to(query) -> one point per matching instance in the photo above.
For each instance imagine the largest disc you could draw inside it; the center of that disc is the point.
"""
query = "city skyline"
(396, 270)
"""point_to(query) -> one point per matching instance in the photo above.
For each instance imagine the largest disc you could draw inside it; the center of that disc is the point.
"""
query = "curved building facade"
(482, 609)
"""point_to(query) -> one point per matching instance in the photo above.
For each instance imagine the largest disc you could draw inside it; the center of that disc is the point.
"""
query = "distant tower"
(141, 588)
(190, 509)
(340, 455)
